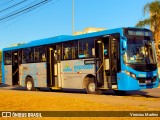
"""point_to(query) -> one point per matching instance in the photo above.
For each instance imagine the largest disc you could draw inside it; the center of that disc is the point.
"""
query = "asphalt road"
(152, 93)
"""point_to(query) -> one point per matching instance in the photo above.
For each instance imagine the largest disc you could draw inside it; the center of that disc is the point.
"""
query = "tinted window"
(40, 54)
(70, 50)
(7, 58)
(28, 55)
(20, 57)
(86, 48)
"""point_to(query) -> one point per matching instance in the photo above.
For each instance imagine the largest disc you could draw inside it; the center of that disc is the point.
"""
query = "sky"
(55, 18)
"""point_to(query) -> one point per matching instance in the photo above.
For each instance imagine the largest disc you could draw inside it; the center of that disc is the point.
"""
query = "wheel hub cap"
(29, 85)
(92, 87)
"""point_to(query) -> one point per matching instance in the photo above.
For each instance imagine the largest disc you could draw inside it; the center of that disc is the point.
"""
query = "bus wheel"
(29, 84)
(90, 86)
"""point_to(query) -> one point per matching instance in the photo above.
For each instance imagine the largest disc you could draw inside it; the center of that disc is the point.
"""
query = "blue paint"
(3, 70)
(127, 83)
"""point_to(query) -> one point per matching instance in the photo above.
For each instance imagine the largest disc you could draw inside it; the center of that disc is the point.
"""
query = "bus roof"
(63, 38)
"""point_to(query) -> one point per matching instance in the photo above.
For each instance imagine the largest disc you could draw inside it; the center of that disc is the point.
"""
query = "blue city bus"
(122, 59)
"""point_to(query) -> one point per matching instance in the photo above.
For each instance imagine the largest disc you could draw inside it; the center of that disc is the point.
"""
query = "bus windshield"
(140, 47)
(139, 51)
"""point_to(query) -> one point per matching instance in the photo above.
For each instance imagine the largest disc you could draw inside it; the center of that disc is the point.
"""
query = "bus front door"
(103, 77)
(106, 49)
(114, 60)
(15, 69)
(53, 66)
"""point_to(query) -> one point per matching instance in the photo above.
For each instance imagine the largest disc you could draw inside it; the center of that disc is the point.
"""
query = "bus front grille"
(146, 80)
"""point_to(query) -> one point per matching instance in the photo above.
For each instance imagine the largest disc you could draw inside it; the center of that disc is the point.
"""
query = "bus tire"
(37, 89)
(29, 84)
(119, 92)
(90, 86)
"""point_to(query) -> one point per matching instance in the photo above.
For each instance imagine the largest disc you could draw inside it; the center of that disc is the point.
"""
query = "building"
(88, 30)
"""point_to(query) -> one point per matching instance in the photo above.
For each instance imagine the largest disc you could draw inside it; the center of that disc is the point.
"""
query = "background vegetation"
(153, 21)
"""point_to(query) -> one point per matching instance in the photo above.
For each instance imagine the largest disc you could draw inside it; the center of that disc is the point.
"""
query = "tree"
(153, 8)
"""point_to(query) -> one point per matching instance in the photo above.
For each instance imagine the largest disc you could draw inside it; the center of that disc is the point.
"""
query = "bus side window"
(58, 52)
(43, 59)
(70, 50)
(36, 56)
(20, 57)
(7, 58)
(85, 48)
(66, 53)
(28, 55)
(40, 54)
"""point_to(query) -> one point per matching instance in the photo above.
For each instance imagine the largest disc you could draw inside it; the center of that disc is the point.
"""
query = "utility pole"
(72, 17)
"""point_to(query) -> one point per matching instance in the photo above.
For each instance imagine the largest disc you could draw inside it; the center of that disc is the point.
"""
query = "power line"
(9, 19)
(23, 7)
(13, 6)
(28, 9)
(6, 3)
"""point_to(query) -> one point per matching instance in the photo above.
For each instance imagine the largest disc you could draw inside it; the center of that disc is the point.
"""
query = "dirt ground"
(21, 100)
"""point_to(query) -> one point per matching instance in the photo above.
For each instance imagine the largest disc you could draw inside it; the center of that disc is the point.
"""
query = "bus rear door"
(15, 68)
(53, 66)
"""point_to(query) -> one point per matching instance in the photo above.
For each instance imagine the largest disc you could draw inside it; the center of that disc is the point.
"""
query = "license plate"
(148, 81)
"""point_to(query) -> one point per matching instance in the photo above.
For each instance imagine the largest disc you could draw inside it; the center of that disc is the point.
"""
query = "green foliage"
(153, 8)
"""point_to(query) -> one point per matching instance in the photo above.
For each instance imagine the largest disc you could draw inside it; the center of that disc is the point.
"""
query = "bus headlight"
(127, 72)
(133, 75)
(130, 74)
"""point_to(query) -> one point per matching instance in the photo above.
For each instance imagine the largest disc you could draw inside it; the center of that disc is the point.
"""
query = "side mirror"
(124, 44)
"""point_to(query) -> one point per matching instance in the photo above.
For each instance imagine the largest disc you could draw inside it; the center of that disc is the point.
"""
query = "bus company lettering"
(82, 67)
(67, 68)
